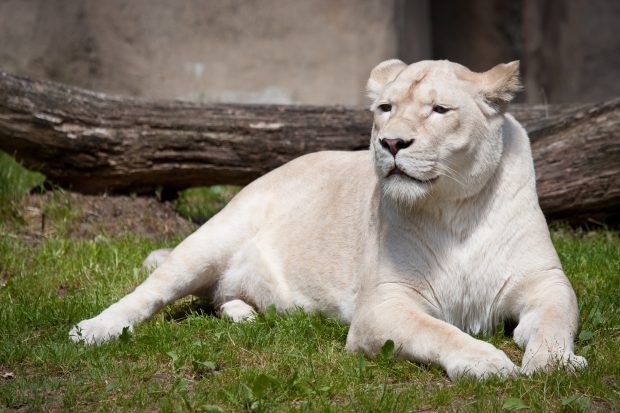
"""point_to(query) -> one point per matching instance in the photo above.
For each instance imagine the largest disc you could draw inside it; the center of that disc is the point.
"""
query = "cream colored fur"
(450, 243)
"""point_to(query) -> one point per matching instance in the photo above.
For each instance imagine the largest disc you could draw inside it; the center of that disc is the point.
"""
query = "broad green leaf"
(514, 404)
(262, 383)
(387, 350)
(246, 393)
(173, 356)
(568, 400)
(584, 404)
(210, 408)
(585, 335)
(208, 364)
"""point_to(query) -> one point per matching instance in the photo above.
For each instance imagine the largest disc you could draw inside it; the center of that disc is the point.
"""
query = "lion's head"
(437, 127)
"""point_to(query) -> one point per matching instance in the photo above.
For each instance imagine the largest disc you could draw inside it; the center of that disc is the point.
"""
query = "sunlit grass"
(186, 359)
(200, 204)
(15, 182)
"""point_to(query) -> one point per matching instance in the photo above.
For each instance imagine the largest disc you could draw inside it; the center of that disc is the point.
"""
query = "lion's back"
(311, 220)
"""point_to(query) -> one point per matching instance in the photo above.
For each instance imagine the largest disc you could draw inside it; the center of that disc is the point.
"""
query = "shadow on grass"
(182, 309)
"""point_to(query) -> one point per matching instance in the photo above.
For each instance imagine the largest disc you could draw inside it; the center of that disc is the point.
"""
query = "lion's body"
(418, 240)
(314, 245)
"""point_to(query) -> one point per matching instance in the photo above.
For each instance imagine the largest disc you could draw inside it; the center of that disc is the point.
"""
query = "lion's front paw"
(546, 361)
(98, 330)
(483, 362)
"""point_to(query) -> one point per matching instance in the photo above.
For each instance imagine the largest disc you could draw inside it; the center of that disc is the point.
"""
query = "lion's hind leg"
(193, 267)
(156, 258)
(237, 310)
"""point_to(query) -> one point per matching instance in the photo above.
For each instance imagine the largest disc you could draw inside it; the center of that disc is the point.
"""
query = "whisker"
(449, 172)
(448, 175)
(446, 163)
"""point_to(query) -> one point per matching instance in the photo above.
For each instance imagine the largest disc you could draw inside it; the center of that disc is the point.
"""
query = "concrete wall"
(306, 51)
(572, 50)
(569, 49)
(281, 51)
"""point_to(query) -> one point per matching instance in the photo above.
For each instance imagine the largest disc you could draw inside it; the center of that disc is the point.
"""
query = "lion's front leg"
(546, 308)
(421, 337)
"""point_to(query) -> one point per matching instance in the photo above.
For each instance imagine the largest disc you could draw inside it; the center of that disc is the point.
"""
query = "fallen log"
(94, 143)
(577, 160)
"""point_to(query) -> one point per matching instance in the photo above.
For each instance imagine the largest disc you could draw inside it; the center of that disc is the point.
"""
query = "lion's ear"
(383, 74)
(499, 84)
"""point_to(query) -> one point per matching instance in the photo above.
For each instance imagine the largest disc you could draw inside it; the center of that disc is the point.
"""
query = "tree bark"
(94, 143)
(577, 160)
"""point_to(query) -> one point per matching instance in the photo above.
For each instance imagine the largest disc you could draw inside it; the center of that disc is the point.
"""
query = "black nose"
(395, 145)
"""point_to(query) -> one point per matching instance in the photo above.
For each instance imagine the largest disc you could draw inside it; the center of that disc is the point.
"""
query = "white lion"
(433, 233)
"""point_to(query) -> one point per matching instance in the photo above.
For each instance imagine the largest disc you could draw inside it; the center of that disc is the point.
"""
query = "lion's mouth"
(397, 171)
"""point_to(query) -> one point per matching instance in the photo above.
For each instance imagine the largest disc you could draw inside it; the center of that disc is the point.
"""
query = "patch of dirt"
(601, 405)
(86, 216)
(513, 352)
(6, 374)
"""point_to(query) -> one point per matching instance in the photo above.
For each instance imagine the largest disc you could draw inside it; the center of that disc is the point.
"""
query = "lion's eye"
(440, 109)
(385, 107)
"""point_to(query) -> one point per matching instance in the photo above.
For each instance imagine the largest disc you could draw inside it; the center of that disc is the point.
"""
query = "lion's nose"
(395, 145)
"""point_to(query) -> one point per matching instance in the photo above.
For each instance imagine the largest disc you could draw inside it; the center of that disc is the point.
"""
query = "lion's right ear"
(383, 74)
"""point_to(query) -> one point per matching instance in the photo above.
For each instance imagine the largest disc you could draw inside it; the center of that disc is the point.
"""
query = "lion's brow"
(416, 82)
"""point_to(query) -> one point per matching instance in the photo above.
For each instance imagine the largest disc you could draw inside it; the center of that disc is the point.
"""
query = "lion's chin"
(404, 189)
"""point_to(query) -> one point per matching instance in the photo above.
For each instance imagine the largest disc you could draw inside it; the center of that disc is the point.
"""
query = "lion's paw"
(484, 362)
(98, 330)
(237, 311)
(546, 361)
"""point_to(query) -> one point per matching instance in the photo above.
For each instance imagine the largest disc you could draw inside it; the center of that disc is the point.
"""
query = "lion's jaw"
(449, 122)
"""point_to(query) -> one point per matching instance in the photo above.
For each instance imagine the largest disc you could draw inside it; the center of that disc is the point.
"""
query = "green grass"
(185, 359)
(200, 204)
(15, 182)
